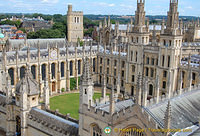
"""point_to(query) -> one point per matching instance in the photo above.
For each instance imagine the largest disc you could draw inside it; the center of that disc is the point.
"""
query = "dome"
(2, 35)
(28, 85)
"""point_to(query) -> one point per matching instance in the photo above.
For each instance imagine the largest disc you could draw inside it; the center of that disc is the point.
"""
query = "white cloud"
(50, 1)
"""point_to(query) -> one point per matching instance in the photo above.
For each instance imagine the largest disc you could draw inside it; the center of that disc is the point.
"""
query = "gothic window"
(152, 72)
(100, 78)
(75, 19)
(136, 56)
(131, 55)
(100, 69)
(170, 43)
(137, 39)
(79, 66)
(94, 63)
(133, 78)
(43, 71)
(95, 130)
(165, 74)
(85, 91)
(147, 71)
(115, 72)
(142, 39)
(133, 68)
(62, 69)
(132, 90)
(11, 74)
(122, 73)
(123, 64)
(53, 71)
(107, 80)
(115, 63)
(164, 85)
(33, 71)
(101, 60)
(183, 74)
(168, 61)
(18, 126)
(78, 19)
(152, 61)
(108, 71)
(122, 83)
(108, 61)
(163, 60)
(150, 89)
(114, 81)
(147, 60)
(22, 72)
(164, 42)
(71, 68)
(193, 76)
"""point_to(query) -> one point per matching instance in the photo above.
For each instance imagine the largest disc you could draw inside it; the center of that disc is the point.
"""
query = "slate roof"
(70, 127)
(185, 110)
(118, 105)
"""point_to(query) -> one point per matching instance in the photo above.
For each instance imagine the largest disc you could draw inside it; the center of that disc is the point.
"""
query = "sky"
(104, 7)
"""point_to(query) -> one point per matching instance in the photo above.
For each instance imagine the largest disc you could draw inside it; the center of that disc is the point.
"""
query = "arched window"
(71, 68)
(150, 89)
(33, 71)
(18, 126)
(79, 66)
(11, 74)
(22, 72)
(43, 71)
(96, 130)
(94, 63)
(53, 71)
(62, 69)
(132, 91)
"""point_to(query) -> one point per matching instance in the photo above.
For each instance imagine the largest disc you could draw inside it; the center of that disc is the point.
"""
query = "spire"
(112, 101)
(46, 94)
(173, 17)
(163, 26)
(109, 23)
(167, 118)
(139, 89)
(86, 77)
(139, 16)
(8, 90)
(105, 22)
(100, 25)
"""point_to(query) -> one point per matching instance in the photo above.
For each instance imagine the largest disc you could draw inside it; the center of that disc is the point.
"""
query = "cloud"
(189, 7)
(50, 1)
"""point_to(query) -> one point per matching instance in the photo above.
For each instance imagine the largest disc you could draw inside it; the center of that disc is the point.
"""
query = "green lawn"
(68, 103)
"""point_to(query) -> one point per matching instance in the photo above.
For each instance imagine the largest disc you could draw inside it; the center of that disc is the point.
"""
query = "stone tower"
(74, 25)
(171, 42)
(27, 97)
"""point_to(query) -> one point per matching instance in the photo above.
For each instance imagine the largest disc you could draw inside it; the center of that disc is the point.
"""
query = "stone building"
(153, 81)
(74, 25)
